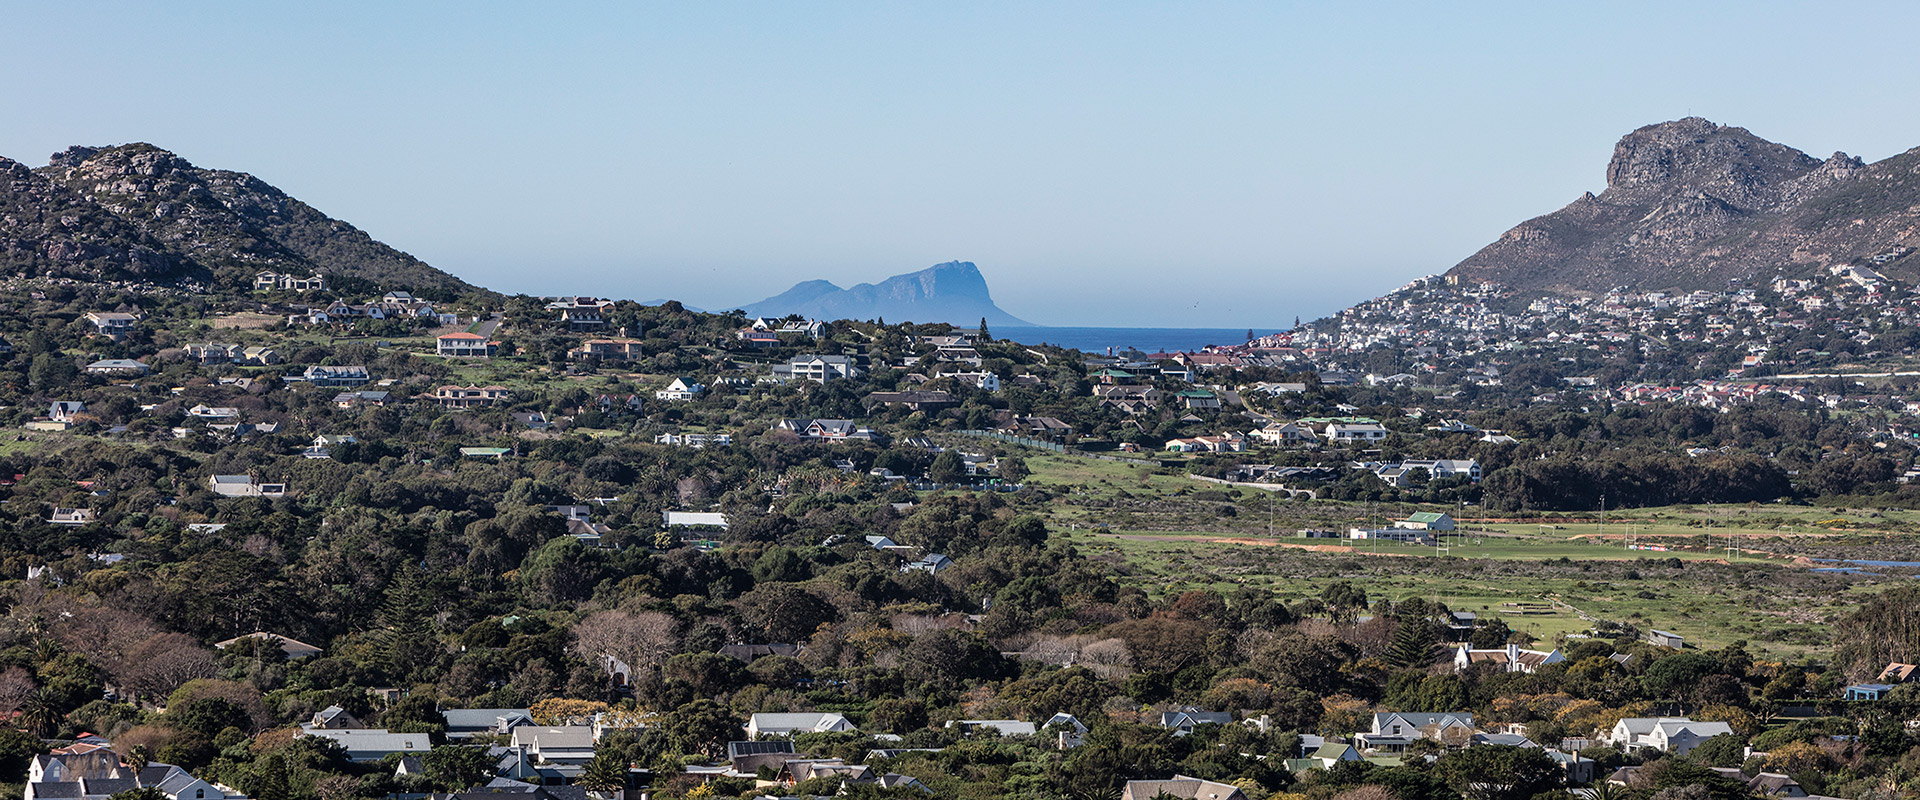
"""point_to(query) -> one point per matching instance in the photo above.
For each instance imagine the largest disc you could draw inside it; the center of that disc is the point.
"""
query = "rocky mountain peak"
(1693, 204)
(1696, 155)
(137, 210)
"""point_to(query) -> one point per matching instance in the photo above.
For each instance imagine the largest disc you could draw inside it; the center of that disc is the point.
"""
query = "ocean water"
(1152, 340)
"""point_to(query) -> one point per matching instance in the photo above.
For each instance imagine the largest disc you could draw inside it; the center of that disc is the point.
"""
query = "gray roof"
(375, 740)
(1182, 786)
(46, 789)
(480, 718)
(1423, 719)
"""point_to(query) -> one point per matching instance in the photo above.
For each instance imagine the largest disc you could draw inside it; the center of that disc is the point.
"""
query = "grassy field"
(1170, 533)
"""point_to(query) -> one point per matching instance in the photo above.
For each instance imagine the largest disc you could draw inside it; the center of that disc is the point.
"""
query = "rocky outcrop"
(138, 211)
(48, 230)
(1692, 204)
(954, 292)
(233, 219)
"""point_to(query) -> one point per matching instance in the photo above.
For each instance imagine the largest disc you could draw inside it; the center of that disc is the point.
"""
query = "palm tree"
(606, 774)
(1603, 790)
(38, 715)
(137, 758)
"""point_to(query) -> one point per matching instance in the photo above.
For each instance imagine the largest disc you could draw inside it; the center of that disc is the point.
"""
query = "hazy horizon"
(1133, 164)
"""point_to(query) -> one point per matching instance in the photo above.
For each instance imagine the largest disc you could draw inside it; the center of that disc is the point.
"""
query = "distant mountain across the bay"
(954, 292)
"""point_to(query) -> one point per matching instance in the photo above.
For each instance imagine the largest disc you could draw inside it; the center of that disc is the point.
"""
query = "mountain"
(139, 212)
(1690, 204)
(953, 292)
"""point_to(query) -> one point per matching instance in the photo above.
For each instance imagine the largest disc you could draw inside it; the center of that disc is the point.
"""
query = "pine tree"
(984, 336)
(270, 779)
(407, 639)
(1412, 644)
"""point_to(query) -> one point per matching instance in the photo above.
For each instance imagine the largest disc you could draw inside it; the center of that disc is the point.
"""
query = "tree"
(1012, 469)
(39, 715)
(947, 467)
(606, 773)
(17, 749)
(701, 727)
(1412, 644)
(984, 335)
(16, 685)
(784, 611)
(1344, 599)
(1163, 643)
(162, 663)
(455, 767)
(1490, 634)
(639, 639)
(270, 780)
(1725, 750)
(950, 657)
(1680, 676)
(208, 716)
(1499, 772)
(407, 641)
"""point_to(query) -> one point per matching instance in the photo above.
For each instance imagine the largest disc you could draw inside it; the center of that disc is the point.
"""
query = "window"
(199, 794)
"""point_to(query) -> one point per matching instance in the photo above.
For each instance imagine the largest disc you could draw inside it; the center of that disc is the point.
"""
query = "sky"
(1121, 164)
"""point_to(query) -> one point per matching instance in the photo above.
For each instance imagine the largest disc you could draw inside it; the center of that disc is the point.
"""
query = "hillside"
(140, 212)
(1690, 204)
(954, 292)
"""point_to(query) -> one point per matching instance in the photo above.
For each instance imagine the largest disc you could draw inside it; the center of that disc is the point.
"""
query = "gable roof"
(1183, 787)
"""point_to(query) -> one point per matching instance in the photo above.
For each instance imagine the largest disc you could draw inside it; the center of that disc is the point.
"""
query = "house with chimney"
(1511, 658)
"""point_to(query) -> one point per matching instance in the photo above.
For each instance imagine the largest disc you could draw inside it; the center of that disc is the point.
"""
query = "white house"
(680, 389)
(788, 724)
(1283, 433)
(1676, 735)
(1510, 658)
(1394, 730)
(568, 744)
(978, 380)
(818, 368)
(98, 774)
(1354, 432)
(244, 486)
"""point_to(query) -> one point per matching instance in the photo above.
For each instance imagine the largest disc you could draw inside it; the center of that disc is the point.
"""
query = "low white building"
(244, 486)
(788, 724)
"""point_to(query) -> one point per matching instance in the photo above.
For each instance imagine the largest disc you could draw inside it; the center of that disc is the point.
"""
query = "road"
(488, 326)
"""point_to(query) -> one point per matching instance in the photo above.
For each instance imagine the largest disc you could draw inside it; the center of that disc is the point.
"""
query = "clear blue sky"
(1172, 164)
